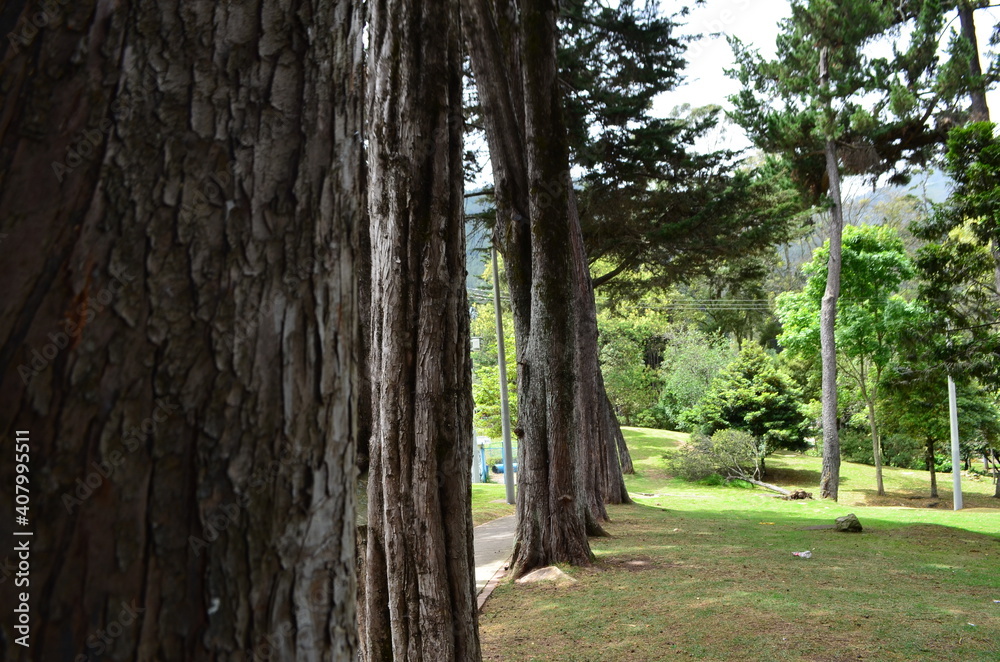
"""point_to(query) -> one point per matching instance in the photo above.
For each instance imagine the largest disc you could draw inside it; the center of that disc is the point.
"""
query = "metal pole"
(956, 455)
(508, 463)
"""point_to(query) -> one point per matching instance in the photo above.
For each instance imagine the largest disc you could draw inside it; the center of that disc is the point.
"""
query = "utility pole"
(508, 462)
(956, 455)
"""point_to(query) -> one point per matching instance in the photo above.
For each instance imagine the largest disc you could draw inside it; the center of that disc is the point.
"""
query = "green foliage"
(691, 361)
(752, 395)
(631, 384)
(876, 108)
(727, 453)
(653, 208)
(630, 346)
(916, 405)
(485, 369)
(958, 267)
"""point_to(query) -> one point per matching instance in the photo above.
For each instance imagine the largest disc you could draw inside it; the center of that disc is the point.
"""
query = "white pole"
(508, 462)
(956, 455)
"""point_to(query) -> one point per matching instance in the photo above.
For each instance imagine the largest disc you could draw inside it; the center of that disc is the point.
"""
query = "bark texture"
(830, 475)
(420, 570)
(495, 33)
(179, 206)
(552, 505)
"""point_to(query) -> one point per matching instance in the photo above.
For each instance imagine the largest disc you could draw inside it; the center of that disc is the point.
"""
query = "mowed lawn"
(695, 572)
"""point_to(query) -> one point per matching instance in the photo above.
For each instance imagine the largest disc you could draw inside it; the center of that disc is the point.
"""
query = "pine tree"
(808, 105)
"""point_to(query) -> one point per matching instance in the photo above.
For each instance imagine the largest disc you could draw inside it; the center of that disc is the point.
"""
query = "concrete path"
(493, 543)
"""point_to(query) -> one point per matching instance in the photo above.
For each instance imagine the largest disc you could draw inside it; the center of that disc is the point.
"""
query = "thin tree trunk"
(420, 570)
(873, 426)
(624, 457)
(979, 110)
(876, 449)
(929, 460)
(830, 477)
(996, 474)
(185, 274)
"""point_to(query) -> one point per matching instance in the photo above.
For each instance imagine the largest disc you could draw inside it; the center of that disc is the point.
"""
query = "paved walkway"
(493, 543)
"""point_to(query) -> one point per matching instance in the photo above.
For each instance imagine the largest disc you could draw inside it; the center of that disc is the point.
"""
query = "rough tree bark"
(420, 571)
(830, 476)
(178, 207)
(493, 34)
(552, 504)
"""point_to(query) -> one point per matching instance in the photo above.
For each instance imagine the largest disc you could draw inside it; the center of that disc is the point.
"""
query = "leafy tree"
(651, 207)
(809, 105)
(486, 382)
(752, 395)
(691, 361)
(872, 315)
(917, 405)
(960, 264)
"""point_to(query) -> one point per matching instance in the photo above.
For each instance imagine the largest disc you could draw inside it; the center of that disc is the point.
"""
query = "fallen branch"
(767, 486)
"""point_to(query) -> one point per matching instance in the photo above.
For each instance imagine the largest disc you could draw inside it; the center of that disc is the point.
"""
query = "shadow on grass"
(797, 477)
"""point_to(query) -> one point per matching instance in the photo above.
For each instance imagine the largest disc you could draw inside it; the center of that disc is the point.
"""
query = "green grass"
(707, 573)
(489, 502)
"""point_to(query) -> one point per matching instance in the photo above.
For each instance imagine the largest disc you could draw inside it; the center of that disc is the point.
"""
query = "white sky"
(755, 22)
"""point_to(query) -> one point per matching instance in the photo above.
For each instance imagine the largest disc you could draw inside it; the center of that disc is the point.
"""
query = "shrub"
(728, 453)
(752, 395)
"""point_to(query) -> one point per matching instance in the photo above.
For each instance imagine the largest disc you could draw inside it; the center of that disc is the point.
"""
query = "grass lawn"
(489, 501)
(708, 573)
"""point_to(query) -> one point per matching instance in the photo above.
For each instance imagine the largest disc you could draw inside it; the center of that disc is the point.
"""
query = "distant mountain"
(477, 237)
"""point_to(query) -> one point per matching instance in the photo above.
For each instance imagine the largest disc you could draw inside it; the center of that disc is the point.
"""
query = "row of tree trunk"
(186, 218)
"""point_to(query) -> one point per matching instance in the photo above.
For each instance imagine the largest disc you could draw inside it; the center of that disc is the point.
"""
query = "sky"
(755, 22)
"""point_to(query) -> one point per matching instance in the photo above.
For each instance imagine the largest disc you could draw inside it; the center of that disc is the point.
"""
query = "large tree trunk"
(552, 506)
(420, 569)
(979, 110)
(830, 476)
(493, 33)
(180, 199)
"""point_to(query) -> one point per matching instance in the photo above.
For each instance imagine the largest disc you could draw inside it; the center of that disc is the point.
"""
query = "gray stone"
(547, 574)
(848, 524)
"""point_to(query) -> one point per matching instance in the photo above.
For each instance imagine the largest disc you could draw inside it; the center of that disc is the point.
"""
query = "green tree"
(752, 395)
(486, 385)
(960, 264)
(691, 361)
(872, 315)
(916, 404)
(811, 106)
